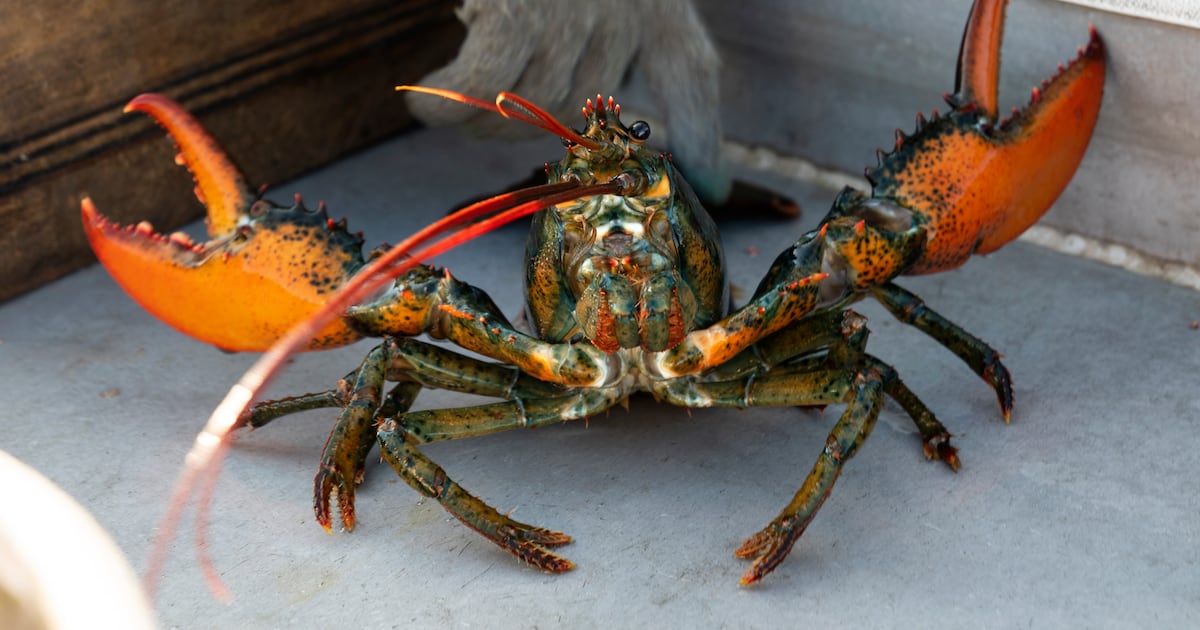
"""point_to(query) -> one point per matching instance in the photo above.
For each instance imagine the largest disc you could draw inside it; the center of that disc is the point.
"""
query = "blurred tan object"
(58, 569)
(557, 54)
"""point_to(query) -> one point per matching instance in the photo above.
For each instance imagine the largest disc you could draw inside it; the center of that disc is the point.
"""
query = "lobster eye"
(640, 130)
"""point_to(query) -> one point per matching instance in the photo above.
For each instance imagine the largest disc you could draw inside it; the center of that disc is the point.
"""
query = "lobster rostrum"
(626, 290)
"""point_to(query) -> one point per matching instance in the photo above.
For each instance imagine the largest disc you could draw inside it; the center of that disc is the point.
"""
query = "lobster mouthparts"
(265, 268)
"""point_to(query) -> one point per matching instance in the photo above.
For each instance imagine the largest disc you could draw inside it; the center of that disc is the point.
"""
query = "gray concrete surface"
(1082, 513)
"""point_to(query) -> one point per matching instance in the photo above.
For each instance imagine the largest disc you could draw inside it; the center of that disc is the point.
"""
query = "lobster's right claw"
(265, 268)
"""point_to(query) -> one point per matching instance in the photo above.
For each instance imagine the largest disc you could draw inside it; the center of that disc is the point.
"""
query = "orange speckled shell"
(243, 301)
(973, 191)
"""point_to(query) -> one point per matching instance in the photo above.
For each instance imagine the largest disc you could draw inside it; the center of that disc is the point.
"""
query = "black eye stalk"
(640, 130)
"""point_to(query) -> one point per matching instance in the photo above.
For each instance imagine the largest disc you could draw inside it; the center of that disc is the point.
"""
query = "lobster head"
(638, 269)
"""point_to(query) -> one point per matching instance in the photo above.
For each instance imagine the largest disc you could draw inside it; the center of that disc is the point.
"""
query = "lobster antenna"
(203, 461)
(513, 106)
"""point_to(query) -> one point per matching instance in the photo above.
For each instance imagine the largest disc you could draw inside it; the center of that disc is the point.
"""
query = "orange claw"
(978, 56)
(219, 184)
(1044, 143)
(265, 269)
(977, 182)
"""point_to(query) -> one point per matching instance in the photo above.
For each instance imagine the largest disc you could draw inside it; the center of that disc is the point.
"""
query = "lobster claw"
(264, 268)
(976, 182)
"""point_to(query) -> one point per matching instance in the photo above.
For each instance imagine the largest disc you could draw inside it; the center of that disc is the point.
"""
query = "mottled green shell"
(699, 260)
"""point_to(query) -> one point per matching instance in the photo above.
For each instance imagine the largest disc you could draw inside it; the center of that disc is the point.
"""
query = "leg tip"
(939, 448)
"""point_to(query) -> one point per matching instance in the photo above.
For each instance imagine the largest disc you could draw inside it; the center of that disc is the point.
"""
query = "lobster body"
(626, 271)
(625, 290)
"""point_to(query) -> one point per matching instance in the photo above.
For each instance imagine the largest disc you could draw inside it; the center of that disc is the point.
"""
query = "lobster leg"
(526, 542)
(976, 353)
(261, 414)
(811, 335)
(399, 440)
(811, 381)
(772, 544)
(935, 439)
(344, 457)
(861, 387)
(428, 301)
(821, 340)
(368, 417)
(825, 364)
(786, 296)
(435, 425)
(439, 368)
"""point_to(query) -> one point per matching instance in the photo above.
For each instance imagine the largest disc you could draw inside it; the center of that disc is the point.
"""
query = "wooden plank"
(285, 86)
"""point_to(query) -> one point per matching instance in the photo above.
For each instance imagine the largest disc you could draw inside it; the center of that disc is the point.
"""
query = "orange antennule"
(534, 115)
(513, 106)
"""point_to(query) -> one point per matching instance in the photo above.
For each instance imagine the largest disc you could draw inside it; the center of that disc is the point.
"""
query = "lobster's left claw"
(1043, 143)
(265, 268)
(975, 181)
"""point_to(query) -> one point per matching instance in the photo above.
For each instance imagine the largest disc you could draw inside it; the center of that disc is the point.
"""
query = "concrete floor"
(1082, 513)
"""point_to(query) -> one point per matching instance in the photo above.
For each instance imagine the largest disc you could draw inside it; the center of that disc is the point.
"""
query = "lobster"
(625, 290)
